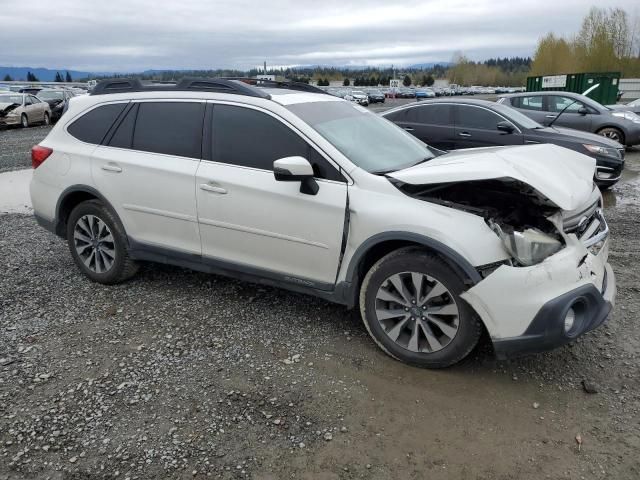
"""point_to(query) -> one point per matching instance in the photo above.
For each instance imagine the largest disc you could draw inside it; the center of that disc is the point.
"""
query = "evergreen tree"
(68, 78)
(59, 77)
(406, 81)
(8, 78)
(346, 82)
(429, 80)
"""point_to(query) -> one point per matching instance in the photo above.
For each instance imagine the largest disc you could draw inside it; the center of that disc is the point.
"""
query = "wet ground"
(177, 374)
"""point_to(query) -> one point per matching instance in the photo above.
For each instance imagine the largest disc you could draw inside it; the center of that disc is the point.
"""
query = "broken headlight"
(530, 246)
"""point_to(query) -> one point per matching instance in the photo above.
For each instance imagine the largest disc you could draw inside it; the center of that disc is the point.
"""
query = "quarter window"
(170, 128)
(94, 125)
(248, 138)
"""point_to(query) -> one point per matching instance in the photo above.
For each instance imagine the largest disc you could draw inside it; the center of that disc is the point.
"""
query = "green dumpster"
(606, 93)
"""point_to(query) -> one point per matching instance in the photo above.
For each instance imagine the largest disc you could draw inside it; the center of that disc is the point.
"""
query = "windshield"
(369, 141)
(515, 116)
(51, 95)
(11, 99)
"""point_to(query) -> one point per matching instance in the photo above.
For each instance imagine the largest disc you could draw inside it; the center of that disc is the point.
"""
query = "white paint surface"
(14, 191)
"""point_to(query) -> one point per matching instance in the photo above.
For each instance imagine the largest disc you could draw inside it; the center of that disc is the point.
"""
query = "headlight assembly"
(597, 149)
(530, 246)
(627, 116)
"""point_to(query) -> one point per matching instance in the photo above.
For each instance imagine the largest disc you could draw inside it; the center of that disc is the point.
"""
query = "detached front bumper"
(524, 308)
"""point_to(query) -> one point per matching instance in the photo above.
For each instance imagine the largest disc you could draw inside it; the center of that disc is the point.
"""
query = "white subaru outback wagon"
(281, 184)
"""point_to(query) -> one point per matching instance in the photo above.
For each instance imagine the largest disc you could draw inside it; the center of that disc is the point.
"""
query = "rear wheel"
(98, 244)
(613, 134)
(24, 120)
(410, 304)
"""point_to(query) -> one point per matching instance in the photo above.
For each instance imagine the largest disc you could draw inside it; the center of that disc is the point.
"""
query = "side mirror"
(583, 111)
(505, 127)
(296, 169)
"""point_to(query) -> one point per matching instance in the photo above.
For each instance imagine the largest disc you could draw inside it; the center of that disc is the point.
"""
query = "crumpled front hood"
(560, 176)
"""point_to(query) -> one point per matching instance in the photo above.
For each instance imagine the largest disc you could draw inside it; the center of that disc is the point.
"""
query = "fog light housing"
(569, 320)
(596, 247)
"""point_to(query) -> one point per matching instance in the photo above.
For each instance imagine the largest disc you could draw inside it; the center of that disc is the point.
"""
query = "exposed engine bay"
(504, 201)
(525, 221)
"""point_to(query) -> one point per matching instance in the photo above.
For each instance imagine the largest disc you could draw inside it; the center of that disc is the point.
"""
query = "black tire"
(47, 119)
(24, 121)
(613, 134)
(412, 259)
(123, 267)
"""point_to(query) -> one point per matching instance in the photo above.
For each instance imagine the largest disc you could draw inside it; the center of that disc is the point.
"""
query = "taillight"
(39, 154)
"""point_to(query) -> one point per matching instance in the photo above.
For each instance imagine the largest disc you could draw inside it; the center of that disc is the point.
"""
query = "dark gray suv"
(578, 112)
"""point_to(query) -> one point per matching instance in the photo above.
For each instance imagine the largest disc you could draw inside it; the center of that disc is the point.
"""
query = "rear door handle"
(550, 116)
(110, 167)
(408, 129)
(464, 134)
(207, 187)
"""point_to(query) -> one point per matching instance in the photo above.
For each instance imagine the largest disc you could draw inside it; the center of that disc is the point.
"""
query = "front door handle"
(207, 187)
(408, 129)
(550, 116)
(464, 134)
(110, 167)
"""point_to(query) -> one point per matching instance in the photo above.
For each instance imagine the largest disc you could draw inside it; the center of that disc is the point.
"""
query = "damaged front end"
(529, 224)
(7, 109)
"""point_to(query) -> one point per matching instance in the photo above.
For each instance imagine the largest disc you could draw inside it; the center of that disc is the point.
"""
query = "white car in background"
(295, 188)
(359, 97)
(23, 109)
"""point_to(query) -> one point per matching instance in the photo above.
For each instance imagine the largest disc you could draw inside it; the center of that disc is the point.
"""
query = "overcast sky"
(133, 35)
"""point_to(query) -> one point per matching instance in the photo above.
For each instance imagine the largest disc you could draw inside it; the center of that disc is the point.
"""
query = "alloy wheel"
(612, 135)
(417, 312)
(94, 243)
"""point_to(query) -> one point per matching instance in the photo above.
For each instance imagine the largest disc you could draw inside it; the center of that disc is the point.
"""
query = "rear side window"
(170, 128)
(248, 138)
(93, 125)
(476, 117)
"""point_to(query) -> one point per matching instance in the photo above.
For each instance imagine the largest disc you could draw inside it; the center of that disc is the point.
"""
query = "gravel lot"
(177, 374)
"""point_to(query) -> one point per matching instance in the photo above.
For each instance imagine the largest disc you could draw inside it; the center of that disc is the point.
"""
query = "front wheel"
(98, 245)
(410, 304)
(613, 134)
(24, 121)
(46, 120)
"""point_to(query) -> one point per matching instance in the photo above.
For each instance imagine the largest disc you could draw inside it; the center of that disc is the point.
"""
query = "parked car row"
(25, 106)
(470, 123)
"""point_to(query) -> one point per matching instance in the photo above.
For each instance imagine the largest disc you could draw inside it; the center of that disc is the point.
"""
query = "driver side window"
(558, 103)
(250, 138)
(476, 117)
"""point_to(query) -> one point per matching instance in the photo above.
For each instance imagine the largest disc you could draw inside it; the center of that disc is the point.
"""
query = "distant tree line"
(512, 70)
(609, 40)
